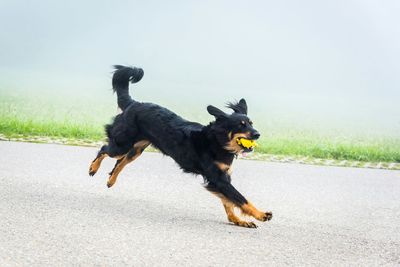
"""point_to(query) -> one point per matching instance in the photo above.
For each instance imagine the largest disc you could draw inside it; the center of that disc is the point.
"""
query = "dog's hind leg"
(105, 151)
(116, 164)
(95, 165)
(133, 154)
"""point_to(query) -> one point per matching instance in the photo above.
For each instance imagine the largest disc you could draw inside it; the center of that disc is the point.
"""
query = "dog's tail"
(120, 83)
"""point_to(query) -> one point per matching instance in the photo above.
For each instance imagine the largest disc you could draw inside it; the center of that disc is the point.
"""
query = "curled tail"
(120, 83)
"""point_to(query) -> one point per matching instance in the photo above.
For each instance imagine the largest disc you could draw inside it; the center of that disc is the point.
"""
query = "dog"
(203, 150)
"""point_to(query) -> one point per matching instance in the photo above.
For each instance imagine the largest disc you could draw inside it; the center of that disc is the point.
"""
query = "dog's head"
(231, 129)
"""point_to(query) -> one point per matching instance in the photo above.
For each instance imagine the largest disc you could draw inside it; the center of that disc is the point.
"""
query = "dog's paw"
(246, 224)
(267, 216)
(92, 171)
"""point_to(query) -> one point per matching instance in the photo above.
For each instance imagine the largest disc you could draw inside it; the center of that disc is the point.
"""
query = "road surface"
(53, 214)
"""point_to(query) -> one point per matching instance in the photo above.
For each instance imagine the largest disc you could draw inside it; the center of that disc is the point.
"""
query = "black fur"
(120, 83)
(196, 148)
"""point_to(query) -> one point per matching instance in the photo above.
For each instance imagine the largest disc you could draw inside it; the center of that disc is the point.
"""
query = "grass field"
(66, 116)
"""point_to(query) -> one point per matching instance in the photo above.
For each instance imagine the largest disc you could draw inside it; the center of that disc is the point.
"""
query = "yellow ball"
(246, 143)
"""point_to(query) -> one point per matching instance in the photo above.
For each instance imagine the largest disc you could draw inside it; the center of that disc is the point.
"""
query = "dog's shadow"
(146, 212)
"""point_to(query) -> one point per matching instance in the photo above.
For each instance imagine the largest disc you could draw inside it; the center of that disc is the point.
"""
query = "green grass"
(84, 118)
(28, 127)
(52, 115)
(371, 150)
(387, 150)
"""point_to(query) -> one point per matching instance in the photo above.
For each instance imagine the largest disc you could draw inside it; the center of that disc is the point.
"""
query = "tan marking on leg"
(139, 147)
(119, 157)
(117, 169)
(224, 167)
(249, 209)
(95, 165)
(141, 144)
(229, 209)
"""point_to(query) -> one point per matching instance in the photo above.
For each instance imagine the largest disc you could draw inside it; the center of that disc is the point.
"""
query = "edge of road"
(252, 156)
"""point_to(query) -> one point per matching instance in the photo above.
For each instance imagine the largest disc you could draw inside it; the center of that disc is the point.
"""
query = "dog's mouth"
(246, 144)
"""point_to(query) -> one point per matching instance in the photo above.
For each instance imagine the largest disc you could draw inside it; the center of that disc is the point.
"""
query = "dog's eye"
(242, 123)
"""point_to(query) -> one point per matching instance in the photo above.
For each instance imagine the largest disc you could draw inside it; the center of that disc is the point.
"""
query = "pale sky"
(315, 60)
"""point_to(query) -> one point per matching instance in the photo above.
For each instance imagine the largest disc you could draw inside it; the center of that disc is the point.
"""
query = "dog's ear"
(216, 112)
(239, 107)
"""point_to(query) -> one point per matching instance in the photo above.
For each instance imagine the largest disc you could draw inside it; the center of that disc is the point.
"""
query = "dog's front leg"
(231, 198)
(232, 217)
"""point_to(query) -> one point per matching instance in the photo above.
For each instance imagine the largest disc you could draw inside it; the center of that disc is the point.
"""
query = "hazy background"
(328, 66)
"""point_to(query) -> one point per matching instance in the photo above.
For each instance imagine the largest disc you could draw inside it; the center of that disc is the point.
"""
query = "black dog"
(205, 150)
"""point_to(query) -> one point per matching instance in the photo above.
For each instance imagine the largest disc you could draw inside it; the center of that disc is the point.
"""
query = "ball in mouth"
(246, 144)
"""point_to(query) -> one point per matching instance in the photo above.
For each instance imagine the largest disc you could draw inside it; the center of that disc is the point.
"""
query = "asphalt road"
(53, 214)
